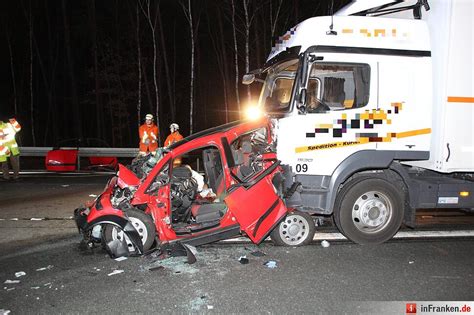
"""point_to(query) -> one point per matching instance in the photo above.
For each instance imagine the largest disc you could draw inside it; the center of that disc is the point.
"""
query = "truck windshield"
(276, 92)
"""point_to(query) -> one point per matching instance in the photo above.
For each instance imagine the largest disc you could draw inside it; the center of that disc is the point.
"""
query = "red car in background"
(65, 158)
(215, 184)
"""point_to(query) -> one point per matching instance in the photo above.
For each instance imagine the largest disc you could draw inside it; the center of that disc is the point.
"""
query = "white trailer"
(373, 110)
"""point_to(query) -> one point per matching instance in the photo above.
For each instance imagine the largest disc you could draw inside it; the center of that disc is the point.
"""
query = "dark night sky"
(73, 95)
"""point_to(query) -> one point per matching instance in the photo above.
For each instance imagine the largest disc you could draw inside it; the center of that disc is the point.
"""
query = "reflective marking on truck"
(330, 145)
(448, 200)
(413, 133)
(460, 99)
(363, 138)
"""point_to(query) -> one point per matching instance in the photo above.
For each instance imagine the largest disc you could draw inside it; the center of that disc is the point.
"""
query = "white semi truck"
(373, 111)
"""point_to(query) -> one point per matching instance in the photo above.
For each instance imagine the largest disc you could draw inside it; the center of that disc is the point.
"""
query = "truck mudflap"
(115, 248)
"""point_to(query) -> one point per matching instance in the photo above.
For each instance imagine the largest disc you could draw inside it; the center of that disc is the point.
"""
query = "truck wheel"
(141, 222)
(296, 229)
(369, 210)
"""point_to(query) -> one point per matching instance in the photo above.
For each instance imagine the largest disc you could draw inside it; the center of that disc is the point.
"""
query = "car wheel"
(141, 222)
(296, 229)
(369, 210)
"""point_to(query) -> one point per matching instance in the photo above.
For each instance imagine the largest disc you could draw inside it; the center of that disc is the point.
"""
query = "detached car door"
(255, 204)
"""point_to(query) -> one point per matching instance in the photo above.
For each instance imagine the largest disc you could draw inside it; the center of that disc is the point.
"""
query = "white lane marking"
(58, 174)
(115, 272)
(335, 236)
(38, 219)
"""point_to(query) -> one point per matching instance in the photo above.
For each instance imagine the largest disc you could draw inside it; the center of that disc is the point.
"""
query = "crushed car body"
(217, 184)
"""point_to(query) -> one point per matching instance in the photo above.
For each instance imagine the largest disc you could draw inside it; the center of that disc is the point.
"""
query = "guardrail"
(116, 152)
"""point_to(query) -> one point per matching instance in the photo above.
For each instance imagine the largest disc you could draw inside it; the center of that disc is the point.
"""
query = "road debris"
(210, 307)
(4, 311)
(198, 302)
(34, 288)
(411, 262)
(93, 195)
(258, 253)
(20, 274)
(191, 248)
(243, 260)
(36, 219)
(115, 272)
(175, 265)
(175, 250)
(120, 258)
(48, 267)
(325, 244)
(11, 281)
(271, 264)
(14, 219)
(158, 267)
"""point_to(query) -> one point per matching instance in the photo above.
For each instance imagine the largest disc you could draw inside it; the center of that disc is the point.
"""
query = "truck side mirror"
(248, 78)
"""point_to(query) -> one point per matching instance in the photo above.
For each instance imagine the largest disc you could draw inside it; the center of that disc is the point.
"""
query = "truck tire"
(297, 229)
(141, 221)
(369, 210)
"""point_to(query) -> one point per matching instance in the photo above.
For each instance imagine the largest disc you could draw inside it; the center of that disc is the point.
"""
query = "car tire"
(297, 229)
(369, 210)
(141, 221)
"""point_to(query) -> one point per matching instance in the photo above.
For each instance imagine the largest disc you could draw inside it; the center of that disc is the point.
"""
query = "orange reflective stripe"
(412, 133)
(460, 99)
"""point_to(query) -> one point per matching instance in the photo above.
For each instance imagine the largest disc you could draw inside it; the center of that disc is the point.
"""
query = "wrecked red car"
(213, 185)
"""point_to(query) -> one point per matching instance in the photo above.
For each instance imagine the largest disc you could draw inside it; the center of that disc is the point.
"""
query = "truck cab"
(356, 99)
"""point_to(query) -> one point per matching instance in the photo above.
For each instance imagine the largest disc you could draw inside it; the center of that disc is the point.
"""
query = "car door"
(255, 203)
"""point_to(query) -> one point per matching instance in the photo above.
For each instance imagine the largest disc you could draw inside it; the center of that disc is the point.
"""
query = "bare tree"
(47, 84)
(139, 57)
(236, 57)
(248, 22)
(31, 78)
(219, 48)
(12, 69)
(167, 71)
(75, 102)
(274, 20)
(151, 23)
(98, 104)
(189, 15)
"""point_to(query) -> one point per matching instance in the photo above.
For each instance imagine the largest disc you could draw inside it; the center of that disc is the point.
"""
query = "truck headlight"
(253, 113)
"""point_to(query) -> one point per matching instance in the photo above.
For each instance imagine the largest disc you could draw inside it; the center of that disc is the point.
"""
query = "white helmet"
(149, 116)
(174, 127)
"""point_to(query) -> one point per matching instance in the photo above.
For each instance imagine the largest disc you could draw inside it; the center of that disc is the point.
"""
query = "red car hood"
(126, 177)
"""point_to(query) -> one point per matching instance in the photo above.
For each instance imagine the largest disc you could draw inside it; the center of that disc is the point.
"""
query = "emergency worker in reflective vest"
(9, 148)
(174, 136)
(148, 136)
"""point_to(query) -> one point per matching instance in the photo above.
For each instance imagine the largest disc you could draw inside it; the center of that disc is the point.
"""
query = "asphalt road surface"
(62, 277)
